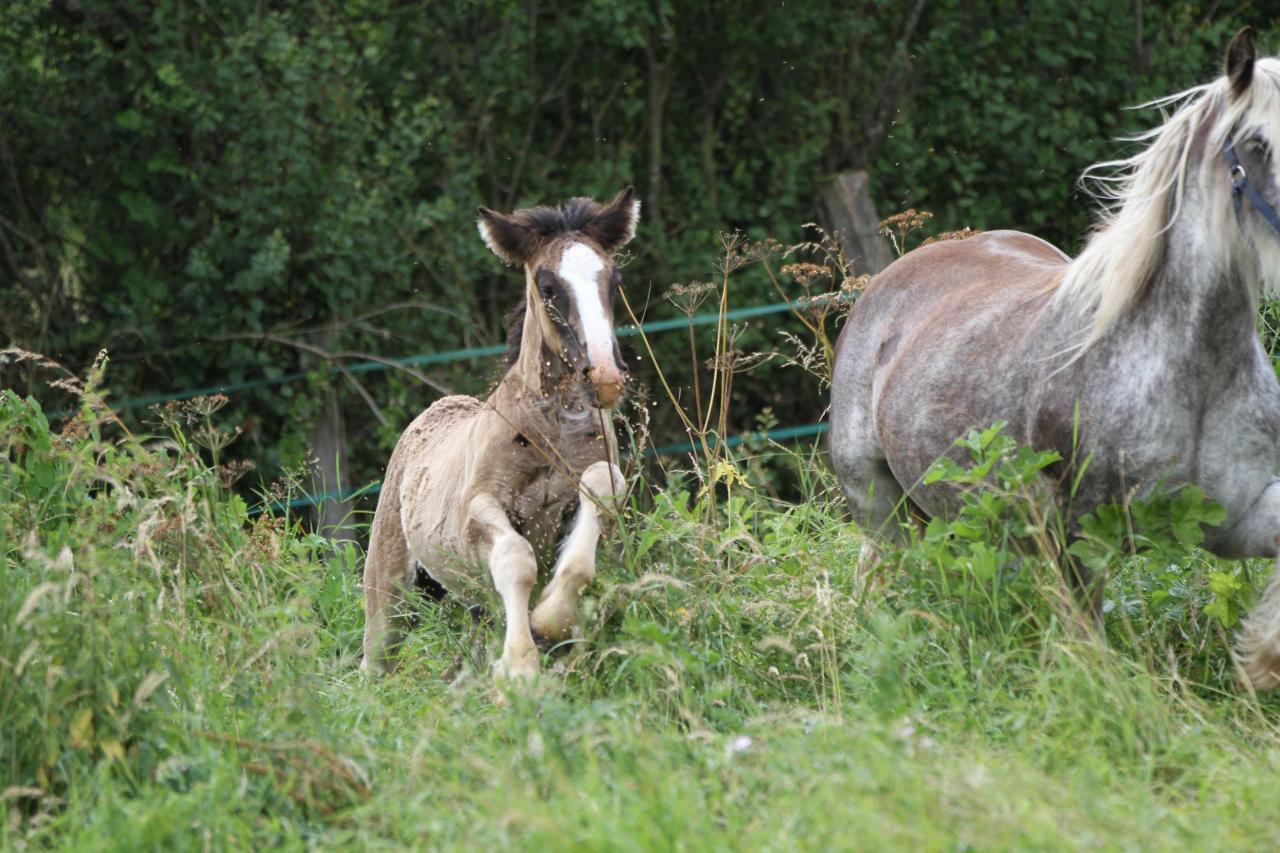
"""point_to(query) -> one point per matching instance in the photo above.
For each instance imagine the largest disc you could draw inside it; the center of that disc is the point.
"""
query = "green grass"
(177, 674)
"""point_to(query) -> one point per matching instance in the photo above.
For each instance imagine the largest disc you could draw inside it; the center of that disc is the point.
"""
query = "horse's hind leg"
(876, 500)
(388, 573)
(556, 617)
(514, 569)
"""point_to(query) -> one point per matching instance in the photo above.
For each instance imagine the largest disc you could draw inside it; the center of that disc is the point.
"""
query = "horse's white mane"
(1142, 195)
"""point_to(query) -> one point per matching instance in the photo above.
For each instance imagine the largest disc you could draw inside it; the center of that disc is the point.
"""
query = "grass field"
(175, 673)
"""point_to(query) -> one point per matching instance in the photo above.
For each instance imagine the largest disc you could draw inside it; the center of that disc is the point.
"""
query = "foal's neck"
(540, 380)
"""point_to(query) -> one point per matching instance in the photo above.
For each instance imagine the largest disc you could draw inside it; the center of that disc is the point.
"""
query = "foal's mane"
(564, 218)
(1142, 195)
(513, 321)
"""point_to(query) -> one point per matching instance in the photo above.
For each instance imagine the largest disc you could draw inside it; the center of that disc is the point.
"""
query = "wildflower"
(806, 273)
(962, 234)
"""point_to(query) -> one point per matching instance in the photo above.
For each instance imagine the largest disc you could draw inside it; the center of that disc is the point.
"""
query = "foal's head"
(572, 281)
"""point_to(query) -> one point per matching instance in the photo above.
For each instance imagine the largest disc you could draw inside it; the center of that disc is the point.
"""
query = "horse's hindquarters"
(939, 345)
(856, 452)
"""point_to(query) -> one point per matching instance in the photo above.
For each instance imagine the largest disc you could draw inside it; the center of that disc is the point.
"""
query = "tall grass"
(176, 671)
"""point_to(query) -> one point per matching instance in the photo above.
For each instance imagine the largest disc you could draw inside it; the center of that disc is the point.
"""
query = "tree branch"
(338, 356)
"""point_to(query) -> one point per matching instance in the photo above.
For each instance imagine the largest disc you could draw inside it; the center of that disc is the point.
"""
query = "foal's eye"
(1258, 147)
(546, 284)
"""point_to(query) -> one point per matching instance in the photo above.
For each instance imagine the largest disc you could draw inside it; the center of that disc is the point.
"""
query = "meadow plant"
(178, 664)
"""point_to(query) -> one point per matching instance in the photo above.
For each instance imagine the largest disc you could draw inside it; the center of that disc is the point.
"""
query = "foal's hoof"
(553, 623)
(516, 669)
(373, 669)
(1263, 669)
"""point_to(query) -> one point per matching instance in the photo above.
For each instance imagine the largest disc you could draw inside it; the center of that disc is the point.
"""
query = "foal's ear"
(510, 240)
(615, 225)
(1241, 54)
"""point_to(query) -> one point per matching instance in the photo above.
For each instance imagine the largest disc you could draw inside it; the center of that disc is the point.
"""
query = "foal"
(489, 487)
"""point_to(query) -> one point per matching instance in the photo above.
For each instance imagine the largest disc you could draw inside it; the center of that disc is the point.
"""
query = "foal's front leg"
(556, 617)
(514, 569)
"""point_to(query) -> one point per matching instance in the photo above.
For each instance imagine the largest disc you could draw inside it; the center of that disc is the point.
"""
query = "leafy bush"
(250, 191)
(996, 566)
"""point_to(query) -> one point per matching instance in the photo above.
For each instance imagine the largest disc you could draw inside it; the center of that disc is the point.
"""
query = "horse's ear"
(1241, 54)
(510, 240)
(615, 225)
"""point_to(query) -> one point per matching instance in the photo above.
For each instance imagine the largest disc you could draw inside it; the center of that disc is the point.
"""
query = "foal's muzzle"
(608, 383)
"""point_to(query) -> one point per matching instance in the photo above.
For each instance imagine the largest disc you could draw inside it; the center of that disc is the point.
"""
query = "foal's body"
(1138, 361)
(480, 493)
(471, 478)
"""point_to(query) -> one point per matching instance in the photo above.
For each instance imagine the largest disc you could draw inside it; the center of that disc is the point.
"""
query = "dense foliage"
(229, 191)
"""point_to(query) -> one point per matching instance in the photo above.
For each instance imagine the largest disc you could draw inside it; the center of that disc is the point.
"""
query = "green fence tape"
(779, 434)
(449, 356)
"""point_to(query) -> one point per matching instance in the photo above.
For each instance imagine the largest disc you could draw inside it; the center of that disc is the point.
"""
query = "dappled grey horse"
(482, 493)
(1146, 341)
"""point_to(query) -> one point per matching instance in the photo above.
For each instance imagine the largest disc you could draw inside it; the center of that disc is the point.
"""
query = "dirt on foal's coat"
(480, 493)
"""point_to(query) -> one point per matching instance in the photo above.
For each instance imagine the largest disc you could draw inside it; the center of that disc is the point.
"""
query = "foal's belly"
(542, 512)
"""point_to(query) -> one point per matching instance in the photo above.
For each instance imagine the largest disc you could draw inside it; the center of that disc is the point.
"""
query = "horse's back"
(938, 290)
(993, 259)
(933, 347)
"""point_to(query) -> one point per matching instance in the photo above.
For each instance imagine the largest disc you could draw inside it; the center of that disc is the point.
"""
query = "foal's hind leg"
(388, 573)
(514, 569)
(556, 617)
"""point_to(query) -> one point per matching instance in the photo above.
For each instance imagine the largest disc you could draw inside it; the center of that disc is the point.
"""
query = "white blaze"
(580, 267)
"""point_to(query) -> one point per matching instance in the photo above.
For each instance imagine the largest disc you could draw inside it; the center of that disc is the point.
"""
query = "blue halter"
(1240, 188)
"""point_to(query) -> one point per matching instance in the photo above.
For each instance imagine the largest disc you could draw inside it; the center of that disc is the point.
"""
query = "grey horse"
(1145, 343)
